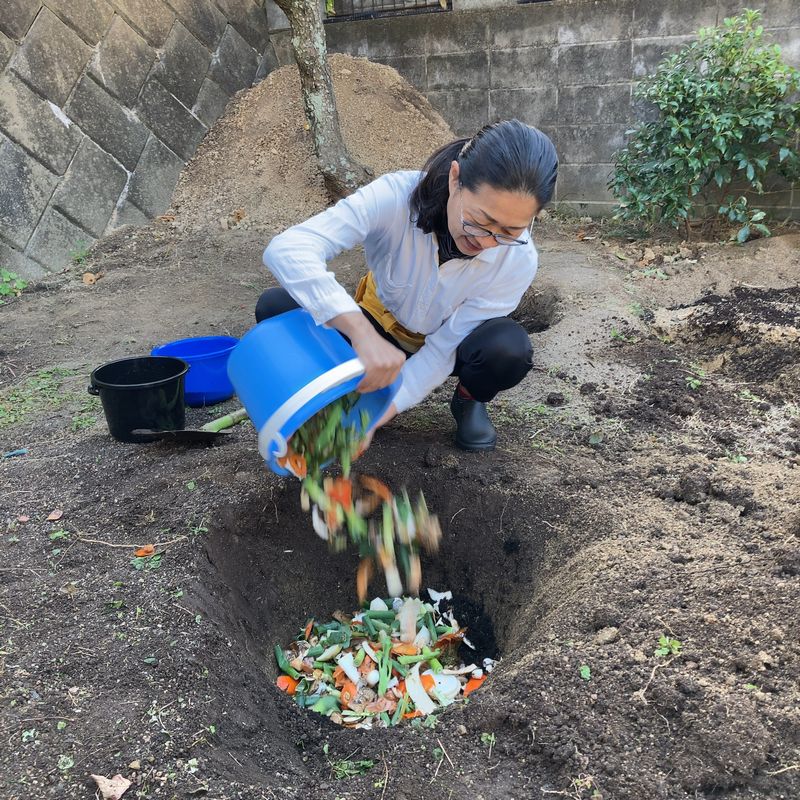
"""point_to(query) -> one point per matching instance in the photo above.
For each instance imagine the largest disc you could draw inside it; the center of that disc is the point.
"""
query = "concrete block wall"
(566, 66)
(357, 7)
(101, 104)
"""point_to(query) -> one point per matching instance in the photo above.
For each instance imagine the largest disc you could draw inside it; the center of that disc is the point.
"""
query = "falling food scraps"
(343, 508)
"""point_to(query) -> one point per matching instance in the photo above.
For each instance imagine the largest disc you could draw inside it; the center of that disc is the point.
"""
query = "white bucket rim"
(270, 432)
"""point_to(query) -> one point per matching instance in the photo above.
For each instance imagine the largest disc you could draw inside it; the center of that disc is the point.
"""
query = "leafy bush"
(727, 120)
(11, 285)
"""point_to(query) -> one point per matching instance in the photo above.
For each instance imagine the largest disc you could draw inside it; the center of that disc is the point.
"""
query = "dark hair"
(507, 155)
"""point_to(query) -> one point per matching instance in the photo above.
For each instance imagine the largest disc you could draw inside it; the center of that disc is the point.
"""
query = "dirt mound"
(256, 168)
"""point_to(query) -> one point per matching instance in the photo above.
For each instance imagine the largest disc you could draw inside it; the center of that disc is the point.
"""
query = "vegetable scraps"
(341, 508)
(394, 660)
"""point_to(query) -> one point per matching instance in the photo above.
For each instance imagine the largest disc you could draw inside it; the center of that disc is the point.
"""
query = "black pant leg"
(495, 356)
(273, 302)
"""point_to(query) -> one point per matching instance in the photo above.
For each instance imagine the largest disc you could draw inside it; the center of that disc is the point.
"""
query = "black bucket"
(144, 392)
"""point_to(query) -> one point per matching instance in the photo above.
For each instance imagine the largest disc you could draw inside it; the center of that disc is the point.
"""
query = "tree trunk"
(342, 174)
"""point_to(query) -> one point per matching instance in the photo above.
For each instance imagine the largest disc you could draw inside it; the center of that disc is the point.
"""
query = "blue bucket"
(207, 381)
(288, 368)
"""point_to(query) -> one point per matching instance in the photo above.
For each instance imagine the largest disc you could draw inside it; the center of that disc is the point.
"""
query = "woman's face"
(496, 210)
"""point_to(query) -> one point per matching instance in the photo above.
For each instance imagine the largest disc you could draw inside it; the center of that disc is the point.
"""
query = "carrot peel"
(348, 695)
(472, 684)
(287, 684)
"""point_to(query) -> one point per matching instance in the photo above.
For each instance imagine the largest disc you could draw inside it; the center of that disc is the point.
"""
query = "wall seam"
(28, 29)
(32, 154)
(127, 110)
(106, 88)
(169, 5)
(133, 25)
(55, 188)
(22, 252)
(69, 24)
(128, 175)
(10, 68)
(10, 244)
(73, 221)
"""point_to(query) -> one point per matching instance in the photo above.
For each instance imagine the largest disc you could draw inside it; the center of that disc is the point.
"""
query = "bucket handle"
(92, 389)
(271, 443)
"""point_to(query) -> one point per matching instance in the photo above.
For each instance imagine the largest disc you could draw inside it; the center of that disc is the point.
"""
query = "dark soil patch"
(758, 329)
(538, 310)
(727, 316)
(674, 389)
(725, 365)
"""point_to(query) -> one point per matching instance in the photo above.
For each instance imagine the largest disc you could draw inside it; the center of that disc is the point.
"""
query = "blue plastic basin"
(207, 381)
(286, 369)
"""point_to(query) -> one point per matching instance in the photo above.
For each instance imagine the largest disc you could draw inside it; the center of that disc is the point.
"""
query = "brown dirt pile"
(256, 168)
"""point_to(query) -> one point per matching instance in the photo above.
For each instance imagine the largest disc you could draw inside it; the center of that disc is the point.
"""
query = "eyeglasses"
(481, 233)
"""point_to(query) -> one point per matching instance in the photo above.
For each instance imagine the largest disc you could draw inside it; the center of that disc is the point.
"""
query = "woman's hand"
(390, 414)
(382, 360)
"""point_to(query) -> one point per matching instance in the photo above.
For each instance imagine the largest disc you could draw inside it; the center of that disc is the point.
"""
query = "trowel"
(211, 431)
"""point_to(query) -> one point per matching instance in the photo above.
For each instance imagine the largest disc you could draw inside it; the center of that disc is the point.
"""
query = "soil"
(646, 485)
(259, 158)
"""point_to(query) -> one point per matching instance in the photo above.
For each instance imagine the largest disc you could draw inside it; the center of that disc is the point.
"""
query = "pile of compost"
(256, 169)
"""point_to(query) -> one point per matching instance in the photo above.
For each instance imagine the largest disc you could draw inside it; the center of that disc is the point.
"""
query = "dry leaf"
(145, 550)
(23, 518)
(239, 215)
(55, 515)
(70, 590)
(112, 788)
(89, 278)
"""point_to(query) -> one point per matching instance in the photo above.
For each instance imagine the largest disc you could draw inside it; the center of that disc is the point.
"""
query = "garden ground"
(646, 486)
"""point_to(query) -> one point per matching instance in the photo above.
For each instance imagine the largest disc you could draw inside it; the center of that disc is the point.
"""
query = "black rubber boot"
(474, 429)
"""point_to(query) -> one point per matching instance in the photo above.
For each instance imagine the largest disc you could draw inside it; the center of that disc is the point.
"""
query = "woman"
(450, 256)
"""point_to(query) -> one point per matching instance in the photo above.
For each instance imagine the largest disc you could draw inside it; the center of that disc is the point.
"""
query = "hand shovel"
(207, 433)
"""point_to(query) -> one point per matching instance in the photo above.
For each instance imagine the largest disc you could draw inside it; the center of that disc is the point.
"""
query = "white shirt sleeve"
(434, 361)
(298, 257)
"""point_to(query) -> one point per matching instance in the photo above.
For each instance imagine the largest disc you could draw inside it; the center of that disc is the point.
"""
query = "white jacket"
(445, 302)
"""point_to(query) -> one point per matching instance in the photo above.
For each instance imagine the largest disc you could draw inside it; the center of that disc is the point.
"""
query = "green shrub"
(11, 285)
(727, 120)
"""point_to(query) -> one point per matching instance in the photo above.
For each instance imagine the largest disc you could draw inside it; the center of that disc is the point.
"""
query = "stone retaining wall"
(101, 104)
(566, 66)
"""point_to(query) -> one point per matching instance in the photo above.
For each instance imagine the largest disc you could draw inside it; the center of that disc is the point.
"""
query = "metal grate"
(348, 10)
